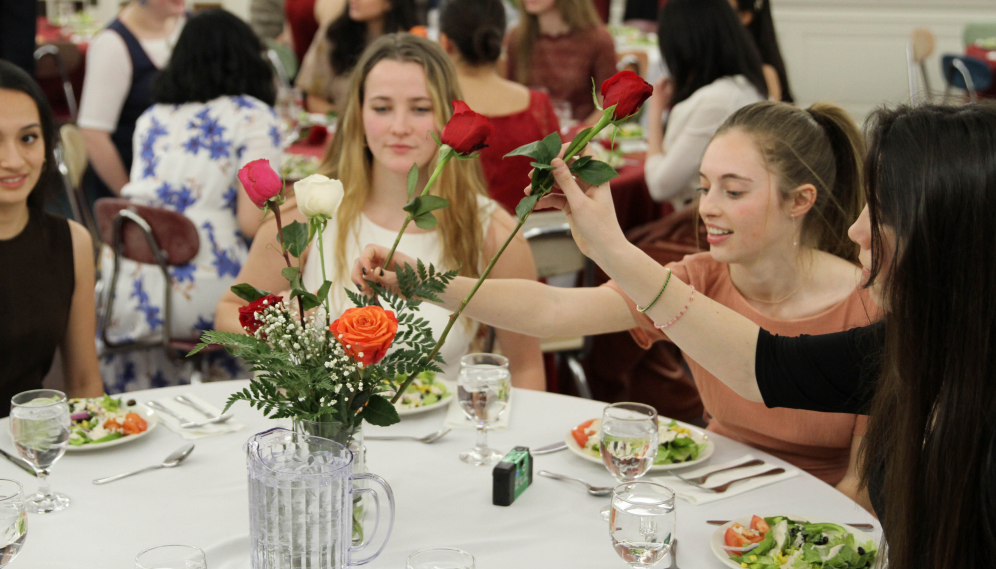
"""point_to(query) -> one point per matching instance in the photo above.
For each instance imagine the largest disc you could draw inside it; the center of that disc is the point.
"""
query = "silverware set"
(700, 480)
(185, 423)
(427, 439)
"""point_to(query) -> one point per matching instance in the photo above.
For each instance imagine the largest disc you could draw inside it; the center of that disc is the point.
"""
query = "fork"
(431, 437)
(701, 479)
(724, 487)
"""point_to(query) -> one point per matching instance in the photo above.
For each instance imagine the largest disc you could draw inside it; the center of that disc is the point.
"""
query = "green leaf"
(542, 181)
(426, 221)
(412, 180)
(295, 238)
(323, 291)
(531, 150)
(595, 172)
(549, 148)
(580, 162)
(309, 300)
(425, 204)
(379, 412)
(539, 166)
(526, 205)
(248, 292)
(293, 276)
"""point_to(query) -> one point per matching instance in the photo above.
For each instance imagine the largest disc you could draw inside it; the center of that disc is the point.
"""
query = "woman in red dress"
(471, 33)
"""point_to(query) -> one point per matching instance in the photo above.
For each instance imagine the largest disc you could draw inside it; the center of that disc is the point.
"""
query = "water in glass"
(642, 522)
(483, 388)
(628, 448)
(13, 521)
(39, 425)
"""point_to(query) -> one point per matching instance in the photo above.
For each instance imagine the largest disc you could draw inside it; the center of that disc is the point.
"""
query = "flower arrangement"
(339, 372)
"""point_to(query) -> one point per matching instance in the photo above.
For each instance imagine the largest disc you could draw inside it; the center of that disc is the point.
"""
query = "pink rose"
(260, 181)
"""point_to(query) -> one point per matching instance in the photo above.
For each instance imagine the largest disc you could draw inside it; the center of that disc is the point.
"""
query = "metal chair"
(71, 158)
(153, 236)
(918, 49)
(967, 73)
(557, 254)
(59, 53)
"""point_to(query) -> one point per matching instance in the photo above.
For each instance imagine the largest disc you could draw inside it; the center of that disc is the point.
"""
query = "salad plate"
(426, 393)
(103, 415)
(699, 448)
(854, 539)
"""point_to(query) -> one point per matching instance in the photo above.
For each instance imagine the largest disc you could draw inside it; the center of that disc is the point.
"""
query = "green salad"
(780, 542)
(676, 443)
(425, 390)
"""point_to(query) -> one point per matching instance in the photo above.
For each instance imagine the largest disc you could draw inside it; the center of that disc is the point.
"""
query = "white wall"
(854, 52)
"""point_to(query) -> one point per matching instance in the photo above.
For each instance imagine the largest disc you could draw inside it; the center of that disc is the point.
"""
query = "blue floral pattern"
(189, 156)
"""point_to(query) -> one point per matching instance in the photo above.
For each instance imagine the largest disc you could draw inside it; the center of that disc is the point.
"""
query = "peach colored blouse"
(819, 443)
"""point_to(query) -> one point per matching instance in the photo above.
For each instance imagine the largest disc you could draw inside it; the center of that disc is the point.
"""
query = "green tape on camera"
(512, 475)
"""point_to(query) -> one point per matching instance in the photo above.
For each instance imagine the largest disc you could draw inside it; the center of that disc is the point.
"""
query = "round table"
(441, 502)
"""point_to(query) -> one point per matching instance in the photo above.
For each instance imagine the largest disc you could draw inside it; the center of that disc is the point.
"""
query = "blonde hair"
(577, 14)
(349, 159)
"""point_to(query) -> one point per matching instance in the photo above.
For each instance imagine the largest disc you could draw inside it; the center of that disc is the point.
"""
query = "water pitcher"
(301, 503)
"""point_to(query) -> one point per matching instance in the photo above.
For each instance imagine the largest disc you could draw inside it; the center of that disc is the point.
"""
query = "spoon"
(431, 437)
(593, 490)
(174, 459)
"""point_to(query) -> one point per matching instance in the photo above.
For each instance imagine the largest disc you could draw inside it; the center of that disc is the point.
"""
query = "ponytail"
(476, 28)
(820, 146)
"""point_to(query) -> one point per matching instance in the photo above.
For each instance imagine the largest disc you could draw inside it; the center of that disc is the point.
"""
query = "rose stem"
(283, 248)
(445, 156)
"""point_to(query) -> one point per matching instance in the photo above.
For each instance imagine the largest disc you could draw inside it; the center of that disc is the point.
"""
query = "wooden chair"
(919, 47)
(152, 236)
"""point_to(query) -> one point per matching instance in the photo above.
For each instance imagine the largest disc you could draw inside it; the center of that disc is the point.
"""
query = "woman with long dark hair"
(213, 114)
(47, 279)
(325, 70)
(926, 372)
(715, 70)
(756, 17)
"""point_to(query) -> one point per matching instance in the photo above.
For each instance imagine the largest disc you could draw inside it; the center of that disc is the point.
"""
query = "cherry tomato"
(579, 434)
(734, 538)
(112, 424)
(134, 424)
(758, 524)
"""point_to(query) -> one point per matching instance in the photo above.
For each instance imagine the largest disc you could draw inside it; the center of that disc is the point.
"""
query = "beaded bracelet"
(680, 314)
(653, 302)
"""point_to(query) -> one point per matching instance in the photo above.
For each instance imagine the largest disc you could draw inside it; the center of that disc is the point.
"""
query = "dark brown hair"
(577, 14)
(821, 146)
(932, 181)
(15, 79)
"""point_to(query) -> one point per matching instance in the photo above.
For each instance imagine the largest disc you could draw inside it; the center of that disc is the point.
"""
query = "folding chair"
(63, 55)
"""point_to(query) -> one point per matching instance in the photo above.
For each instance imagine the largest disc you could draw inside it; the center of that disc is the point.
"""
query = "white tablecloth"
(441, 502)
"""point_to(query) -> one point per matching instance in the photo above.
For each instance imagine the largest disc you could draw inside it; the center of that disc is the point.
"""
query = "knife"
(19, 462)
(561, 445)
(863, 526)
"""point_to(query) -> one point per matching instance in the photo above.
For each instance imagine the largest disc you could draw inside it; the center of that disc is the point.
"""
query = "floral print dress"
(186, 159)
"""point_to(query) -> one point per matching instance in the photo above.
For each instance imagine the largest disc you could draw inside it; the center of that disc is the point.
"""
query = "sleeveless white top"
(424, 246)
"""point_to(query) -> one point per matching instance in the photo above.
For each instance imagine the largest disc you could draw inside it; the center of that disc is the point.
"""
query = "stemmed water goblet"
(39, 425)
(642, 522)
(483, 388)
(13, 521)
(628, 441)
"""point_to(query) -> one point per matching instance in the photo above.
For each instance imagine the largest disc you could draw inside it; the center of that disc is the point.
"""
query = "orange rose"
(366, 333)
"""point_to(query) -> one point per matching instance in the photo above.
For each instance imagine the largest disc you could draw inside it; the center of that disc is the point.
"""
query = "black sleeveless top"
(139, 94)
(37, 279)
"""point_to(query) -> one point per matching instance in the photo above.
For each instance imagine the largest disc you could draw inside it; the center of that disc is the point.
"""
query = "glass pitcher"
(301, 502)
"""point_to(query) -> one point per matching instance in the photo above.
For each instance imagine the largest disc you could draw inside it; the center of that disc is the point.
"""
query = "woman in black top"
(46, 262)
(926, 373)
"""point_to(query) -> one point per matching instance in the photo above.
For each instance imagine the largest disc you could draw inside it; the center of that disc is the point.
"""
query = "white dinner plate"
(719, 536)
(231, 553)
(150, 418)
(698, 435)
(425, 408)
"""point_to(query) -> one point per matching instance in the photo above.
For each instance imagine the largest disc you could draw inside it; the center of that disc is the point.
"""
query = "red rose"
(366, 333)
(247, 314)
(467, 131)
(628, 91)
(260, 182)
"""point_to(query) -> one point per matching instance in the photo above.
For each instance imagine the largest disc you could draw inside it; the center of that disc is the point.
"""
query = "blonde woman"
(560, 46)
(401, 93)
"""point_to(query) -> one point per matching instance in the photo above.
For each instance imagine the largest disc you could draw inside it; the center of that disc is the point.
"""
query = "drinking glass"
(628, 441)
(171, 557)
(482, 389)
(13, 520)
(642, 522)
(39, 425)
(440, 558)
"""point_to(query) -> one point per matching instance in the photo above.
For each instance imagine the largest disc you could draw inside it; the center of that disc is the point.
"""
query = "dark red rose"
(467, 131)
(247, 314)
(628, 91)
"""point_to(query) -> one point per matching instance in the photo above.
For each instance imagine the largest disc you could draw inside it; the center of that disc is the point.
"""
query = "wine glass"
(440, 558)
(642, 522)
(482, 389)
(628, 441)
(39, 424)
(13, 520)
(171, 557)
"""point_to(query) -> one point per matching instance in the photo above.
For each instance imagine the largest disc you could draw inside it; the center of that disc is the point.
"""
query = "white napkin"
(457, 419)
(194, 415)
(695, 495)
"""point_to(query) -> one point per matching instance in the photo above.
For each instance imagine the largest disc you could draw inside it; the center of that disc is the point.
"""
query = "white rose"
(318, 195)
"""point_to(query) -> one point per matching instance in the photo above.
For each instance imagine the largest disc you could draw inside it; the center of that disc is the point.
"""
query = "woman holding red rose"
(471, 33)
(402, 93)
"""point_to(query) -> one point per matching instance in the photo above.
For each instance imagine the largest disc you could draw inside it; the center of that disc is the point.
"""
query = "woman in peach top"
(780, 187)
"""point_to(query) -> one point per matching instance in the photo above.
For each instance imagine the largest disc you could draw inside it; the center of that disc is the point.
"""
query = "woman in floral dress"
(213, 113)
